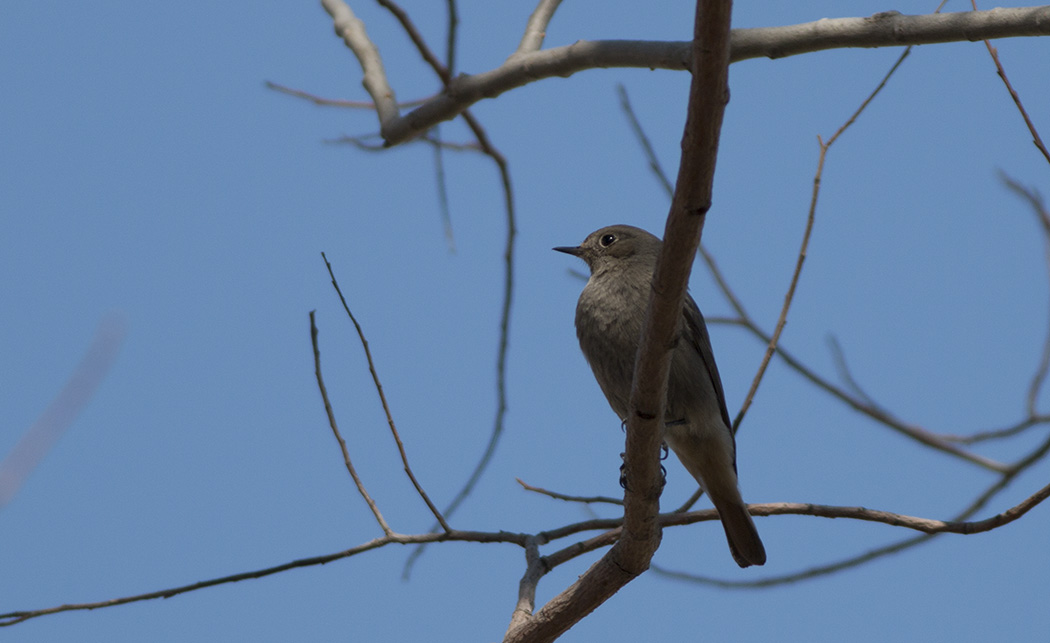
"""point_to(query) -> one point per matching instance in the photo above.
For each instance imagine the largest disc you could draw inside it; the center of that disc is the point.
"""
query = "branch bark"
(640, 536)
(889, 29)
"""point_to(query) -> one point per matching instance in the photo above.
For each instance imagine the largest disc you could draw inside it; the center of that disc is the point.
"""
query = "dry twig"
(382, 399)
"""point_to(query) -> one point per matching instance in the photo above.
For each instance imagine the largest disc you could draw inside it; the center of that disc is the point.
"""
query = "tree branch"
(888, 29)
(382, 398)
(338, 436)
(536, 29)
(640, 536)
(352, 31)
(538, 566)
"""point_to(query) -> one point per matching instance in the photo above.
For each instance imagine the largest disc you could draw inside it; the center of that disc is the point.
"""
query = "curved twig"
(338, 436)
(561, 496)
(790, 295)
(382, 399)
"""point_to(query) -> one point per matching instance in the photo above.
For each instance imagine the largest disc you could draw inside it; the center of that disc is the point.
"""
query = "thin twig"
(442, 187)
(929, 527)
(643, 140)
(63, 410)
(914, 432)
(839, 357)
(998, 434)
(362, 143)
(336, 102)
(789, 296)
(1035, 200)
(338, 436)
(382, 399)
(439, 154)
(504, 332)
(690, 501)
(489, 150)
(994, 53)
(11, 618)
(613, 529)
(855, 561)
(417, 39)
(450, 40)
(744, 319)
(562, 496)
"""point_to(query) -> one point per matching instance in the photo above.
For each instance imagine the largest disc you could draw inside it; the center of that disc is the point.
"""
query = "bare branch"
(334, 102)
(362, 143)
(1035, 200)
(382, 399)
(535, 568)
(858, 403)
(417, 39)
(994, 53)
(640, 536)
(881, 30)
(536, 28)
(912, 431)
(64, 408)
(562, 496)
(11, 618)
(450, 40)
(338, 436)
(352, 31)
(643, 140)
(442, 186)
(538, 566)
(855, 561)
(789, 296)
(839, 358)
(997, 434)
(504, 326)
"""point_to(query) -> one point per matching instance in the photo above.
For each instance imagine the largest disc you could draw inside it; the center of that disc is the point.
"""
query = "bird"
(697, 428)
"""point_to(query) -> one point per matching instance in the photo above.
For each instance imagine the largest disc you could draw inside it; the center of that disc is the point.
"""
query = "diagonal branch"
(338, 436)
(63, 410)
(640, 537)
(536, 28)
(994, 53)
(382, 399)
(350, 28)
(790, 295)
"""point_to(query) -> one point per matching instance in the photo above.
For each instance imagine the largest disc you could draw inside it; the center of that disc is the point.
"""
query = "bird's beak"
(575, 251)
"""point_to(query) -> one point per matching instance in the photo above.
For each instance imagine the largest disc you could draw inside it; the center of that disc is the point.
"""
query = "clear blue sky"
(148, 176)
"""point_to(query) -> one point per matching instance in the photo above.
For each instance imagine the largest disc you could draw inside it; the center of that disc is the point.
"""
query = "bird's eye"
(607, 240)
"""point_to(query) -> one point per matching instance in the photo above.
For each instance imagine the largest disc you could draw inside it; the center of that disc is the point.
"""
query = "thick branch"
(881, 30)
(630, 556)
(350, 28)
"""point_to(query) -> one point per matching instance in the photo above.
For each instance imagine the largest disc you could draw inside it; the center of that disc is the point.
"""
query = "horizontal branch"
(11, 618)
(889, 29)
(925, 525)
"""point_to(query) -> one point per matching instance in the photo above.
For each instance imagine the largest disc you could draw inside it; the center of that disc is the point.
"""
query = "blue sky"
(148, 177)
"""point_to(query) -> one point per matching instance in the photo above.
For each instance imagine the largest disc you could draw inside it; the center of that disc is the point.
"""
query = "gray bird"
(609, 320)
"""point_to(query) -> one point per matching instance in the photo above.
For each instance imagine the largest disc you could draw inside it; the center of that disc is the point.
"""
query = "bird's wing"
(696, 333)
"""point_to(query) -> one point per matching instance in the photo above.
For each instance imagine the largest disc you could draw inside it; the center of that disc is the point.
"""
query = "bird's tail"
(744, 543)
(708, 456)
